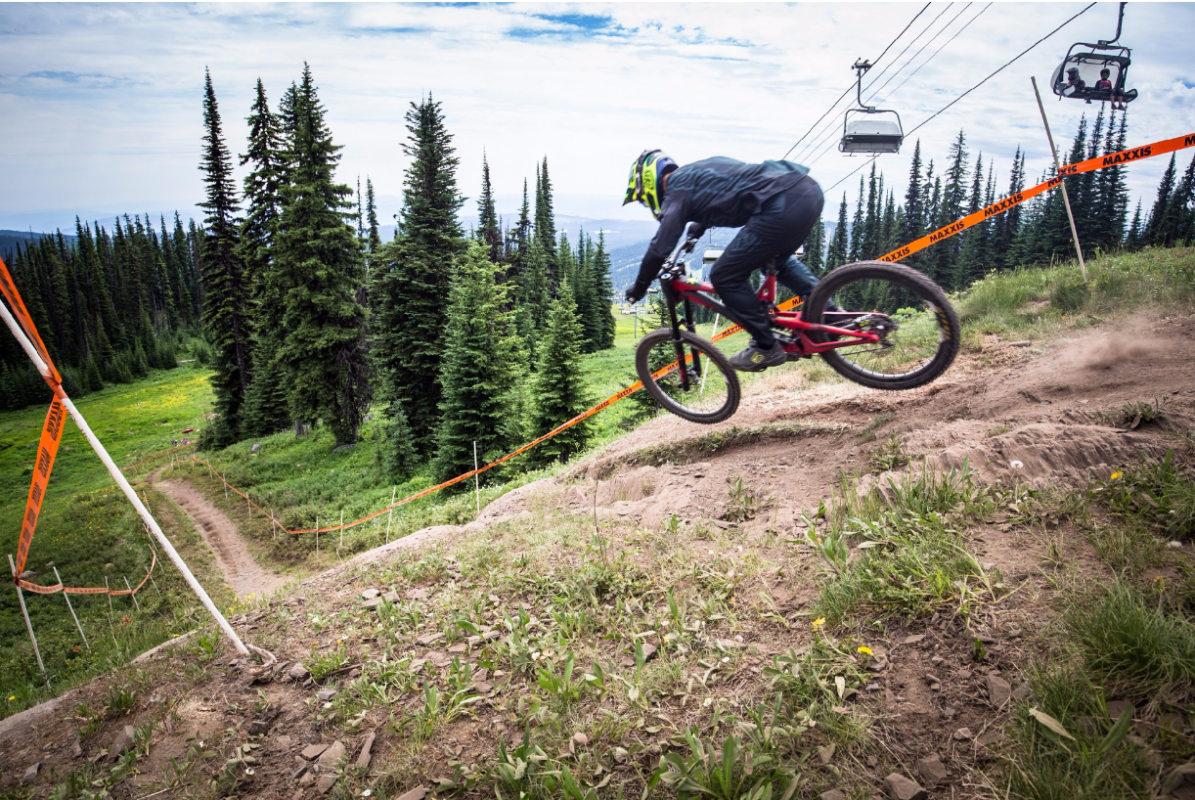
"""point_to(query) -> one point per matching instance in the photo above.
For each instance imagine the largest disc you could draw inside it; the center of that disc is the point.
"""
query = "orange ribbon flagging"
(47, 451)
(58, 587)
(1090, 165)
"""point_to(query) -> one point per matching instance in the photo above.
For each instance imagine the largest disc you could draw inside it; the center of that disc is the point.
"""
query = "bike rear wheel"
(920, 331)
(712, 392)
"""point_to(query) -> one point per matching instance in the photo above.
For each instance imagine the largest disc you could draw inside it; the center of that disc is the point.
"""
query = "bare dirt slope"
(1041, 414)
(242, 572)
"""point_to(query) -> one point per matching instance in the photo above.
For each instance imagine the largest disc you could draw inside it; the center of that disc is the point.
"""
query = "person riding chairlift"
(1104, 84)
(1075, 86)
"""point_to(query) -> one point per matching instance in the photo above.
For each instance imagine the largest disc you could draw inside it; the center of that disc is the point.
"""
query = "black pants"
(776, 231)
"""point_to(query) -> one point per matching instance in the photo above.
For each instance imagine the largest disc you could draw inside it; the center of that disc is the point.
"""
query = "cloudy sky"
(100, 105)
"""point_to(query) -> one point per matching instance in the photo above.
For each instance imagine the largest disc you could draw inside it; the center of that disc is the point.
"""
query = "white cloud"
(102, 103)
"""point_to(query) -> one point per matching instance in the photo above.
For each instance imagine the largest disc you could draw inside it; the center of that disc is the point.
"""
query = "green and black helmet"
(647, 175)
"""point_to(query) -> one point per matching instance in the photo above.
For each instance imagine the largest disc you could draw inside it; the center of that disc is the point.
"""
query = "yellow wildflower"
(865, 650)
(818, 623)
(1115, 475)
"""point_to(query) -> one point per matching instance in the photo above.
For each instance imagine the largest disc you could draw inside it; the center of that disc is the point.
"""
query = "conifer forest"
(307, 318)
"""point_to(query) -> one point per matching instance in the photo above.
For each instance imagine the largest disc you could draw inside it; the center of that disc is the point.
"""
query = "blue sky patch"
(586, 22)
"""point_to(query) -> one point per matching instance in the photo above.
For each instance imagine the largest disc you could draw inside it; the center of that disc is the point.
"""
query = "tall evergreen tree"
(226, 298)
(839, 250)
(945, 254)
(412, 282)
(480, 367)
(545, 221)
(815, 247)
(371, 215)
(1156, 232)
(603, 291)
(560, 385)
(488, 232)
(266, 409)
(319, 271)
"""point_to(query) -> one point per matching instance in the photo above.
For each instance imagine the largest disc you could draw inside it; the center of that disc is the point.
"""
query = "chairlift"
(1080, 73)
(868, 130)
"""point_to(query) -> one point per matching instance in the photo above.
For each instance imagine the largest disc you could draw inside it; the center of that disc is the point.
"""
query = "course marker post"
(67, 597)
(390, 516)
(1058, 168)
(132, 594)
(476, 479)
(29, 625)
(123, 483)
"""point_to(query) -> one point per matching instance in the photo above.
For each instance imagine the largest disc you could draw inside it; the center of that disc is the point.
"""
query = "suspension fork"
(678, 345)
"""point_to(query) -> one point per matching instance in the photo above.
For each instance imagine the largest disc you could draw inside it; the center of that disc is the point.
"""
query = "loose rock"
(370, 594)
(330, 757)
(833, 794)
(931, 770)
(366, 755)
(313, 751)
(901, 788)
(30, 774)
(429, 638)
(962, 734)
(122, 743)
(999, 691)
(414, 794)
(298, 672)
(325, 783)
(325, 695)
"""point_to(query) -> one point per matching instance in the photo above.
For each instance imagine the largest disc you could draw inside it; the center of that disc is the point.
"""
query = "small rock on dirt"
(581, 739)
(833, 794)
(649, 650)
(370, 594)
(325, 695)
(931, 770)
(121, 744)
(372, 603)
(901, 788)
(313, 751)
(730, 644)
(429, 638)
(30, 774)
(364, 757)
(439, 658)
(283, 742)
(415, 794)
(298, 672)
(1117, 707)
(459, 647)
(999, 691)
(258, 727)
(914, 639)
(325, 783)
(418, 594)
(962, 734)
(329, 758)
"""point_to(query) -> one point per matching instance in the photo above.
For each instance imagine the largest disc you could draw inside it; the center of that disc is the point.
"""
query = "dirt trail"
(241, 571)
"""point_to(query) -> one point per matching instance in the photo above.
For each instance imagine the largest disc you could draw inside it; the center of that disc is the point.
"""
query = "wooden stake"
(476, 479)
(317, 536)
(1058, 167)
(340, 544)
(67, 598)
(132, 594)
(29, 625)
(390, 516)
(111, 621)
(225, 489)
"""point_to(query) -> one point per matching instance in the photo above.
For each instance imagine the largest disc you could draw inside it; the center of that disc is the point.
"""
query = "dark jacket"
(717, 192)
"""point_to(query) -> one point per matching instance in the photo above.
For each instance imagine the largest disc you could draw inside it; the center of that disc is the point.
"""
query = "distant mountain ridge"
(10, 239)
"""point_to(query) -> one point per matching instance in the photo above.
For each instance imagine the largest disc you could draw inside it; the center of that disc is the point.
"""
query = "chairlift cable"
(832, 125)
(852, 86)
(939, 50)
(964, 94)
(905, 65)
(828, 135)
(1002, 68)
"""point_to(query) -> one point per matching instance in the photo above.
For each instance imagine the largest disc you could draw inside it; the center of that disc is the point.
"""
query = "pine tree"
(266, 409)
(945, 254)
(319, 271)
(857, 227)
(603, 291)
(488, 232)
(545, 222)
(371, 213)
(560, 385)
(412, 281)
(480, 366)
(815, 247)
(838, 252)
(226, 296)
(1133, 238)
(1156, 232)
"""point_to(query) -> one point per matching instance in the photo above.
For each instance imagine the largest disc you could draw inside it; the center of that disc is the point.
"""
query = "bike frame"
(794, 331)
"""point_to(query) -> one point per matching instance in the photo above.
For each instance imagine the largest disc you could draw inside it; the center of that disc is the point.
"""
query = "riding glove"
(636, 292)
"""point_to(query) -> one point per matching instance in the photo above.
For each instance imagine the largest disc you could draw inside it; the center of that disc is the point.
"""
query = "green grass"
(1038, 302)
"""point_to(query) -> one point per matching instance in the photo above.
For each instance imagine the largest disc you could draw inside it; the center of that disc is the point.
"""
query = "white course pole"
(67, 598)
(29, 625)
(476, 480)
(390, 516)
(1058, 167)
(118, 476)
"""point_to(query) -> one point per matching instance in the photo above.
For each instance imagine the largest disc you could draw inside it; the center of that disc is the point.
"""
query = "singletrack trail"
(241, 570)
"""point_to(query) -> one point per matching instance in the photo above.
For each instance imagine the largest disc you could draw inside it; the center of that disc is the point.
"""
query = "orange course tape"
(9, 289)
(1090, 165)
(47, 451)
(58, 587)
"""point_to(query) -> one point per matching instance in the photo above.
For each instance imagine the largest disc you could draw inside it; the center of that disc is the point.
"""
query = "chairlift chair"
(1089, 59)
(868, 130)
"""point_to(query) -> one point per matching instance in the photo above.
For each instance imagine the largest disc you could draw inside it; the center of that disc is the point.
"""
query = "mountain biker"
(775, 203)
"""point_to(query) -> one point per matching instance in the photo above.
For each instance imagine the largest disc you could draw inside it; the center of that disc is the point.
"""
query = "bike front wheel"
(707, 390)
(918, 328)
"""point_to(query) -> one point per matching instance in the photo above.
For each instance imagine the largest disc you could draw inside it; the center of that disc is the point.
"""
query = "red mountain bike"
(908, 338)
